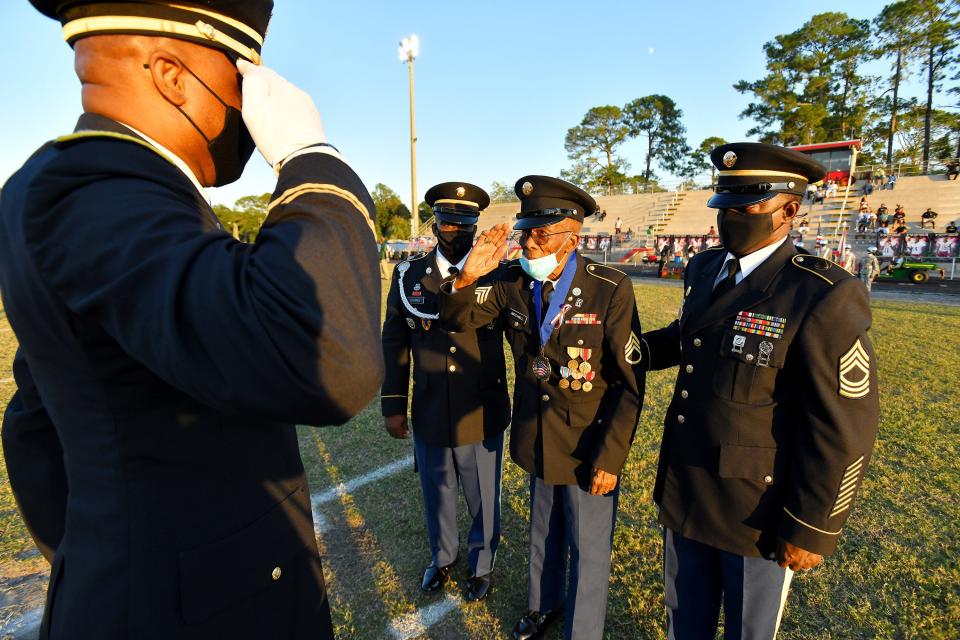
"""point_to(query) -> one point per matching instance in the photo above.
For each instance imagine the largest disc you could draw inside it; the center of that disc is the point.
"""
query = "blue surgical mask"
(541, 268)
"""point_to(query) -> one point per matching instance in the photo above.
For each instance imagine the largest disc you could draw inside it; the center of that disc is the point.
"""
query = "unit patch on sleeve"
(855, 372)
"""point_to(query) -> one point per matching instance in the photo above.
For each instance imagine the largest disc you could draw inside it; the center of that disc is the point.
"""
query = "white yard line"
(23, 627)
(320, 523)
(416, 624)
(350, 486)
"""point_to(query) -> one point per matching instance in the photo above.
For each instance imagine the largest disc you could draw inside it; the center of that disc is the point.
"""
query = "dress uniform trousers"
(571, 538)
(697, 577)
(477, 468)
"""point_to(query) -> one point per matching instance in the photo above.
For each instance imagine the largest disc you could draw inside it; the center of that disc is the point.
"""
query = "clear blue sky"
(498, 83)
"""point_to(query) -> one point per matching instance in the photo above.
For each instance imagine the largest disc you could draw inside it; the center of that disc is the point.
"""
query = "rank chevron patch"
(855, 372)
(482, 294)
(632, 353)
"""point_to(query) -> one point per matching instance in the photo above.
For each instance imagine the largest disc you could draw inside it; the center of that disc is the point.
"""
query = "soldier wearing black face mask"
(775, 410)
(460, 406)
(163, 364)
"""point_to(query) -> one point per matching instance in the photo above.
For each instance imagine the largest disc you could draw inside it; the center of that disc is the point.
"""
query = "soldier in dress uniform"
(460, 402)
(774, 415)
(573, 328)
(162, 363)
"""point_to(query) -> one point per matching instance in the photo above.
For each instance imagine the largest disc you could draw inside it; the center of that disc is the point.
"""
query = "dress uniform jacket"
(775, 410)
(560, 434)
(459, 379)
(162, 366)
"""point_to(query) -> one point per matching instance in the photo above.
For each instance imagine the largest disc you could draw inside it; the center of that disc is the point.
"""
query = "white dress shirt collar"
(176, 160)
(444, 265)
(749, 262)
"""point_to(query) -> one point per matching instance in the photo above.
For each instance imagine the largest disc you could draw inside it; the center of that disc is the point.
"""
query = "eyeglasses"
(539, 235)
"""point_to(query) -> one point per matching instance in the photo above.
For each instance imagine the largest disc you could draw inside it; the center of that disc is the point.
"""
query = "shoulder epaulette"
(714, 248)
(422, 254)
(81, 136)
(605, 271)
(824, 269)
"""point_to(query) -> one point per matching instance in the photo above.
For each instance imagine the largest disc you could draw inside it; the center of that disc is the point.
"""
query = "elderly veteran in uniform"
(460, 402)
(573, 327)
(774, 415)
(163, 364)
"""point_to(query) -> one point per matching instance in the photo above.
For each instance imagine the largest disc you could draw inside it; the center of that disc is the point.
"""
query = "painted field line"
(350, 486)
(416, 624)
(23, 627)
(7, 380)
(334, 493)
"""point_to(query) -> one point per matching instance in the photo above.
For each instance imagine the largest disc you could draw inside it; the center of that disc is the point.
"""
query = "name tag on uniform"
(517, 318)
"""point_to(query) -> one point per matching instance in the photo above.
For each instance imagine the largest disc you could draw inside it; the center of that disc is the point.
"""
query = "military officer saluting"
(163, 364)
(774, 415)
(573, 328)
(460, 402)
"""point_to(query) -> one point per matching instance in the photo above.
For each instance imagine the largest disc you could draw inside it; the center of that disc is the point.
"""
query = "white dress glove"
(280, 116)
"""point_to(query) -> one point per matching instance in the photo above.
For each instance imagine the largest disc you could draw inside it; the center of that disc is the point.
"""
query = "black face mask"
(232, 147)
(740, 231)
(454, 245)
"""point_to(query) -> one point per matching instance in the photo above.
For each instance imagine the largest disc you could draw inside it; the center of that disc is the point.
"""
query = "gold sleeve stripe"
(856, 462)
(202, 30)
(328, 189)
(810, 526)
(846, 493)
(842, 503)
(761, 172)
(850, 482)
(839, 510)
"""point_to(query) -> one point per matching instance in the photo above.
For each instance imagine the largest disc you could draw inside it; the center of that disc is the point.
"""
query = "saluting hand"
(397, 426)
(486, 254)
(793, 557)
(603, 482)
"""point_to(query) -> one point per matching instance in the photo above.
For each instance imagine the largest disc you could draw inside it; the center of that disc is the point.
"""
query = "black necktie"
(547, 292)
(732, 268)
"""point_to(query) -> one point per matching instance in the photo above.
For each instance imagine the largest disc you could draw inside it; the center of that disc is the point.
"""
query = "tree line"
(816, 89)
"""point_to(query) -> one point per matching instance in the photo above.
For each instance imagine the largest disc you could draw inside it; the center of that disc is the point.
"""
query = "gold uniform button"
(452, 369)
(681, 419)
(453, 349)
(768, 479)
(749, 357)
(275, 574)
(684, 394)
(689, 368)
(697, 342)
(545, 398)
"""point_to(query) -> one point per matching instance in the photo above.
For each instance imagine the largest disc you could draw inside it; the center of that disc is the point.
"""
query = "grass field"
(895, 574)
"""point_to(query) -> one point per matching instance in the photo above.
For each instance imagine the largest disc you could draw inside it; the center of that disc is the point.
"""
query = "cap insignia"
(729, 159)
(527, 188)
(461, 192)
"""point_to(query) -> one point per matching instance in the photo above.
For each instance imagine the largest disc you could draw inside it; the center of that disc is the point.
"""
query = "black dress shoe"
(478, 588)
(434, 578)
(534, 623)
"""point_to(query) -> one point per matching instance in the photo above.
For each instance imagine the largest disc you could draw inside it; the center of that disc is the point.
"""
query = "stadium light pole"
(409, 50)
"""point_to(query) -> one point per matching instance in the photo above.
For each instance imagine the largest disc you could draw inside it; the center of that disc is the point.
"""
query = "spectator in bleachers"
(900, 228)
(712, 232)
(821, 195)
(928, 216)
(863, 221)
(879, 177)
(618, 225)
(883, 215)
(868, 187)
(811, 193)
(831, 189)
(899, 214)
(883, 230)
(952, 227)
(864, 205)
(892, 181)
